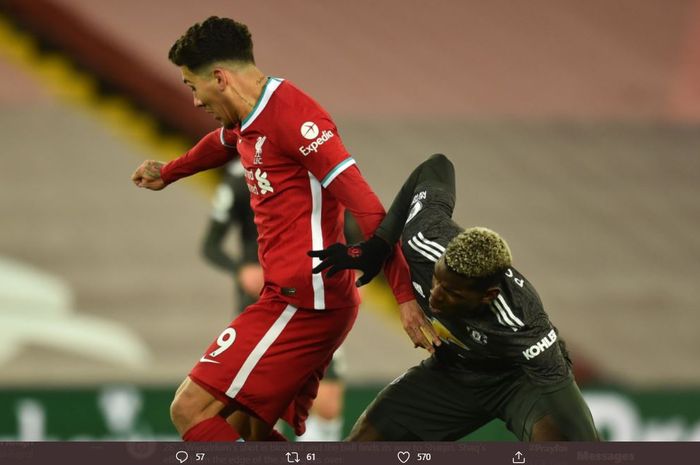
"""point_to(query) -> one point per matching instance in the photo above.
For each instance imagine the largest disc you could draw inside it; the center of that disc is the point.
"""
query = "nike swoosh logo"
(206, 360)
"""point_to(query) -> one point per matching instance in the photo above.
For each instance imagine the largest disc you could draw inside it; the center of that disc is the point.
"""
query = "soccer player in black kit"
(499, 356)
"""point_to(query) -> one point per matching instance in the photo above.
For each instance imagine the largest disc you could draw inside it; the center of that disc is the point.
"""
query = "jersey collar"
(270, 87)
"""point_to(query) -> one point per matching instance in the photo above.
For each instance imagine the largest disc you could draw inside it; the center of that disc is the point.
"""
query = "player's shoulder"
(518, 300)
(294, 102)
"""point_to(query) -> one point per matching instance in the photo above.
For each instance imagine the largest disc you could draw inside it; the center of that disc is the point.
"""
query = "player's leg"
(252, 428)
(559, 415)
(283, 379)
(364, 431)
(568, 417)
(325, 421)
(546, 429)
(195, 414)
(426, 403)
(207, 398)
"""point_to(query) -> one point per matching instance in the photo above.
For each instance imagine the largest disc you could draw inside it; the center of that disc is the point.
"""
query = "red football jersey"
(293, 157)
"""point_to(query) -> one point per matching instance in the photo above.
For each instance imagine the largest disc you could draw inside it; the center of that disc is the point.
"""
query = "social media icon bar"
(182, 456)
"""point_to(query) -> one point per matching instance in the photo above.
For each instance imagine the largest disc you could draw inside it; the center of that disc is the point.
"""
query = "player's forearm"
(249, 252)
(208, 153)
(398, 276)
(220, 260)
(213, 251)
(353, 191)
(391, 227)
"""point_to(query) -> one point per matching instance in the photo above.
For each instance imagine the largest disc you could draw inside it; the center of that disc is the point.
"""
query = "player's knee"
(546, 429)
(363, 431)
(185, 411)
(180, 414)
(260, 431)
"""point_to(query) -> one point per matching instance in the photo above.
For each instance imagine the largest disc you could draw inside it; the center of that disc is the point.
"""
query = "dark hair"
(485, 282)
(212, 40)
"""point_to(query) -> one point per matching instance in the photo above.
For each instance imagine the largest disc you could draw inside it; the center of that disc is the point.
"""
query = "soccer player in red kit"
(267, 363)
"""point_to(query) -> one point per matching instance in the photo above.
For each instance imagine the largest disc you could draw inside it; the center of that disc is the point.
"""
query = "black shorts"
(431, 403)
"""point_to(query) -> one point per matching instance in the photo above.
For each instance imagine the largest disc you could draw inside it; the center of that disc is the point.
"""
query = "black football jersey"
(513, 333)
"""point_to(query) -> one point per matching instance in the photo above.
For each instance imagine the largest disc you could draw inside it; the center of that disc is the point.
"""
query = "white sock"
(320, 429)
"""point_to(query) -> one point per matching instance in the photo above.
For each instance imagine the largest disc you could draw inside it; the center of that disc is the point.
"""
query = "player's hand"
(418, 327)
(251, 279)
(148, 175)
(367, 256)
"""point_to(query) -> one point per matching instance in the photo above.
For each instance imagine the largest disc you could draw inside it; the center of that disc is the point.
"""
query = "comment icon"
(182, 456)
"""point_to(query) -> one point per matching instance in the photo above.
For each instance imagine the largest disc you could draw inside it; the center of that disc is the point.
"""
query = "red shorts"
(271, 358)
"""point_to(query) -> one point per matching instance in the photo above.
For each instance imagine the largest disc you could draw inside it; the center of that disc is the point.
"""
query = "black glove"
(367, 256)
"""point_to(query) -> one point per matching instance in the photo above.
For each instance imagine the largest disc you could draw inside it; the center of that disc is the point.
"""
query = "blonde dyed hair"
(478, 253)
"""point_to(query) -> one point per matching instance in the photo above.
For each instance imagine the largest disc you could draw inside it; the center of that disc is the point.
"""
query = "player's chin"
(434, 305)
(435, 310)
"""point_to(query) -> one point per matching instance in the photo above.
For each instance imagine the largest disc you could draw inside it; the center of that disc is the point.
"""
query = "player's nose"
(435, 298)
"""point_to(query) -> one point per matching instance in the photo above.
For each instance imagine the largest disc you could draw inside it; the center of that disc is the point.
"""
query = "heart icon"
(403, 456)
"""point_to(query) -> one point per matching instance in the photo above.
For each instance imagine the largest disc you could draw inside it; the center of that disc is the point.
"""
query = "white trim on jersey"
(339, 168)
(223, 141)
(505, 315)
(270, 336)
(420, 249)
(316, 241)
(270, 87)
(517, 320)
(430, 246)
(498, 317)
(432, 243)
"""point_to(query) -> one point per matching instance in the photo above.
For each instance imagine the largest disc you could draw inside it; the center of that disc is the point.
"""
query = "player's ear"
(490, 294)
(221, 78)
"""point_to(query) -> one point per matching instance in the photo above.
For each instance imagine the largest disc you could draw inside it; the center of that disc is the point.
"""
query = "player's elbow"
(210, 251)
(440, 161)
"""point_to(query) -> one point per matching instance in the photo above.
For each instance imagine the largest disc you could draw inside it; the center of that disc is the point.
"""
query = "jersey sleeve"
(312, 139)
(213, 150)
(351, 190)
(436, 175)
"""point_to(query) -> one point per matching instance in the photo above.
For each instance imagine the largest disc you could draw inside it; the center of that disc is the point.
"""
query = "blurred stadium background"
(573, 125)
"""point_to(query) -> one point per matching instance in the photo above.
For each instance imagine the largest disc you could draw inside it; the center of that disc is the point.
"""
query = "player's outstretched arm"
(213, 247)
(148, 175)
(436, 171)
(367, 256)
(370, 255)
(210, 152)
